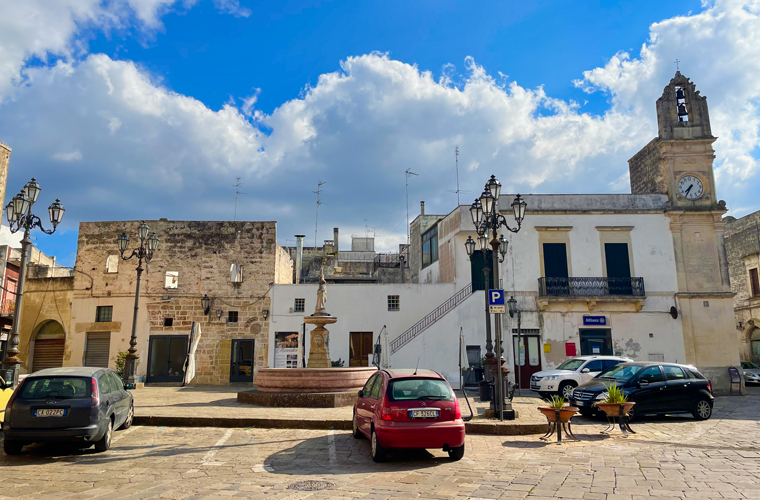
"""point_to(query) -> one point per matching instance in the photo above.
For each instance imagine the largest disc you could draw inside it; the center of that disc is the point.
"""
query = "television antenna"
(318, 192)
(456, 156)
(408, 172)
(237, 194)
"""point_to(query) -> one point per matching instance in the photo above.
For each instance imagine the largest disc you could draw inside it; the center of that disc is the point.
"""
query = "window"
(116, 381)
(651, 374)
(171, 279)
(232, 317)
(393, 303)
(754, 283)
(416, 389)
(377, 389)
(430, 247)
(236, 273)
(299, 306)
(594, 366)
(103, 314)
(112, 264)
(168, 321)
(56, 387)
(105, 385)
(367, 390)
(609, 363)
(673, 373)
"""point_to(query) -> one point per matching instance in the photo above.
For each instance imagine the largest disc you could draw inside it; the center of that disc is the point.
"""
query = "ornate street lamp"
(206, 304)
(512, 303)
(148, 246)
(488, 221)
(19, 214)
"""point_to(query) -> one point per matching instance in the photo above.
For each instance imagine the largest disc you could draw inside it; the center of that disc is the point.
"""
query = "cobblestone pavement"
(669, 457)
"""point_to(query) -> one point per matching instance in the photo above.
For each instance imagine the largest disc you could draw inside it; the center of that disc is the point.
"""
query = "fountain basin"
(307, 387)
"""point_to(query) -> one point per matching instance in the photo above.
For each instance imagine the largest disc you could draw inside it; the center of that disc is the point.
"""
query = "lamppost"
(512, 303)
(148, 245)
(488, 221)
(19, 213)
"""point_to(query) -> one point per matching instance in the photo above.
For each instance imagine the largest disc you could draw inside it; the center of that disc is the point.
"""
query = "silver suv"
(571, 374)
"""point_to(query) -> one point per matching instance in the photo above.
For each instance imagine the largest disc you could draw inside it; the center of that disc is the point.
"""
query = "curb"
(477, 427)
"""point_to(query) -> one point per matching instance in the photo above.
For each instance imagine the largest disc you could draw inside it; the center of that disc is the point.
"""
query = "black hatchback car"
(82, 405)
(657, 389)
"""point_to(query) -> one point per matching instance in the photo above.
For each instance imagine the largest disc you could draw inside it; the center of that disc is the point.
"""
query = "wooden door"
(360, 348)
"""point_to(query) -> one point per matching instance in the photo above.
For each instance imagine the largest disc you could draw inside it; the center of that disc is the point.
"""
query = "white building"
(642, 275)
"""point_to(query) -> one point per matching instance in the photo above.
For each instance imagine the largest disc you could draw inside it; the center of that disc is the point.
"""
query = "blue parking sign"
(496, 302)
(495, 297)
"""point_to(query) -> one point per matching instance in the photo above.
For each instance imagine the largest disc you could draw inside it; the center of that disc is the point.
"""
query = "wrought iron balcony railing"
(590, 287)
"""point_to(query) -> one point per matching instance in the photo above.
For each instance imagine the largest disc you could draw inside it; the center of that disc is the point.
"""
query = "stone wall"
(646, 174)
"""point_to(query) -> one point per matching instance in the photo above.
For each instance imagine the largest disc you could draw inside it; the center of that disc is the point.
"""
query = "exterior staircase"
(430, 319)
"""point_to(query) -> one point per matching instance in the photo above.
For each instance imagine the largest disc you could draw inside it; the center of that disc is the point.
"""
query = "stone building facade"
(743, 249)
(234, 264)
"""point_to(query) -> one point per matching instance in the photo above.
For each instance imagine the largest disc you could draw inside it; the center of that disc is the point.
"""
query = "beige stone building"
(233, 263)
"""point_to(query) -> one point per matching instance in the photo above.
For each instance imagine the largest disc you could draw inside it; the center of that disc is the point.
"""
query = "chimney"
(422, 208)
(299, 256)
(335, 238)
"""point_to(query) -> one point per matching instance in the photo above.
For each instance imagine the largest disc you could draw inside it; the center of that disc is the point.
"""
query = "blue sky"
(135, 109)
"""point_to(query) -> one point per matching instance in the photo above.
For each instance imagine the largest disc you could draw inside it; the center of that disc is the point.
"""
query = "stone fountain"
(317, 386)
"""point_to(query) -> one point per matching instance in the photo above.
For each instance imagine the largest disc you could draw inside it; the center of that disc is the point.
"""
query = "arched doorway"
(49, 343)
(755, 346)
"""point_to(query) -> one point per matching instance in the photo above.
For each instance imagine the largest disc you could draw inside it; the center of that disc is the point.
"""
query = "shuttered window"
(754, 283)
(97, 349)
(48, 353)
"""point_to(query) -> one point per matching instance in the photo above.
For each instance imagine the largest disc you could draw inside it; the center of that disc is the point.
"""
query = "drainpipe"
(299, 256)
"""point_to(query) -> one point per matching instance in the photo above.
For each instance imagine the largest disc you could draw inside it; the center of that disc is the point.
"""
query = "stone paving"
(668, 458)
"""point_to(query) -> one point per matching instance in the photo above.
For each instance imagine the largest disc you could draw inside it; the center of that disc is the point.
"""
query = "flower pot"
(615, 409)
(565, 414)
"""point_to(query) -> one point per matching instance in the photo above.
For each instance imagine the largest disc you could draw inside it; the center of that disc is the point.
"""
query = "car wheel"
(378, 452)
(355, 428)
(12, 447)
(565, 389)
(632, 414)
(586, 413)
(456, 453)
(130, 417)
(105, 442)
(702, 410)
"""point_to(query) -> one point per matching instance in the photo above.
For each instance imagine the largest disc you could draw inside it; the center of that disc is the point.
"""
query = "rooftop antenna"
(237, 194)
(418, 365)
(408, 172)
(318, 192)
(456, 155)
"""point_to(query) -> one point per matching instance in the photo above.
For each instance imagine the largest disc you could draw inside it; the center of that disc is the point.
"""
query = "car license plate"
(423, 414)
(580, 403)
(50, 413)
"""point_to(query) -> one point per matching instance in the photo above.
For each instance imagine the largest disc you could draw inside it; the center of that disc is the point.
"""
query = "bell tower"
(678, 163)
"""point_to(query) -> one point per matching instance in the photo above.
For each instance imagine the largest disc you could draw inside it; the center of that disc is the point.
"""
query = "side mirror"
(585, 370)
(361, 393)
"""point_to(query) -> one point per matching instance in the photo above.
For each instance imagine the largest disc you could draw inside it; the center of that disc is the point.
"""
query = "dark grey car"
(83, 405)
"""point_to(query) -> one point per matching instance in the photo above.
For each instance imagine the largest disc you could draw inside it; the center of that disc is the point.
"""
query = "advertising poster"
(286, 349)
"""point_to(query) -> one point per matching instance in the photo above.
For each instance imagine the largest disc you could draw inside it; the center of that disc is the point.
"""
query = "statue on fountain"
(319, 354)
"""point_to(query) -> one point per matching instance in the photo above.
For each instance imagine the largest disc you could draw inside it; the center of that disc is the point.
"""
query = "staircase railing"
(431, 318)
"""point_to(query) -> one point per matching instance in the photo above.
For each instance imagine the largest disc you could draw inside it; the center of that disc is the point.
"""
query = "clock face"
(690, 187)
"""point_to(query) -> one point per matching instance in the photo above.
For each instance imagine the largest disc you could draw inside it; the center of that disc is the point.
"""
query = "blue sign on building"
(595, 320)
(496, 302)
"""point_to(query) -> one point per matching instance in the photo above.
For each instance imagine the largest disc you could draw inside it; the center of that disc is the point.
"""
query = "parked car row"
(78, 405)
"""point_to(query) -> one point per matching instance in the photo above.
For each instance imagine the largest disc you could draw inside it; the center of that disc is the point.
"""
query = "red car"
(409, 409)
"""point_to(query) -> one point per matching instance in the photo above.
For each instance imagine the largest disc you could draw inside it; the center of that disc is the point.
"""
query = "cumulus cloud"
(75, 155)
(147, 151)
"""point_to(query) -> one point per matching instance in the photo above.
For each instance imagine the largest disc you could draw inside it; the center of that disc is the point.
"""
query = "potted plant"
(615, 403)
(558, 403)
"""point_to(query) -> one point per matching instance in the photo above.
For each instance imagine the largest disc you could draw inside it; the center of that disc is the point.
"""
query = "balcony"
(591, 291)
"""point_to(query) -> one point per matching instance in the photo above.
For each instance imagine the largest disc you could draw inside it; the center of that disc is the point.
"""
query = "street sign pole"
(497, 306)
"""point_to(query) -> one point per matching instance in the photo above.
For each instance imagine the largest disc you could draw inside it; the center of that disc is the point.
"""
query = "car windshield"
(419, 389)
(749, 364)
(621, 372)
(571, 364)
(56, 387)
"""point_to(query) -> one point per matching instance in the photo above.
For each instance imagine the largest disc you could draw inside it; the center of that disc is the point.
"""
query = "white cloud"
(232, 7)
(150, 152)
(75, 155)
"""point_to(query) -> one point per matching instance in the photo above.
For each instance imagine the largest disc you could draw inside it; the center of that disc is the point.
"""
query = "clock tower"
(678, 163)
